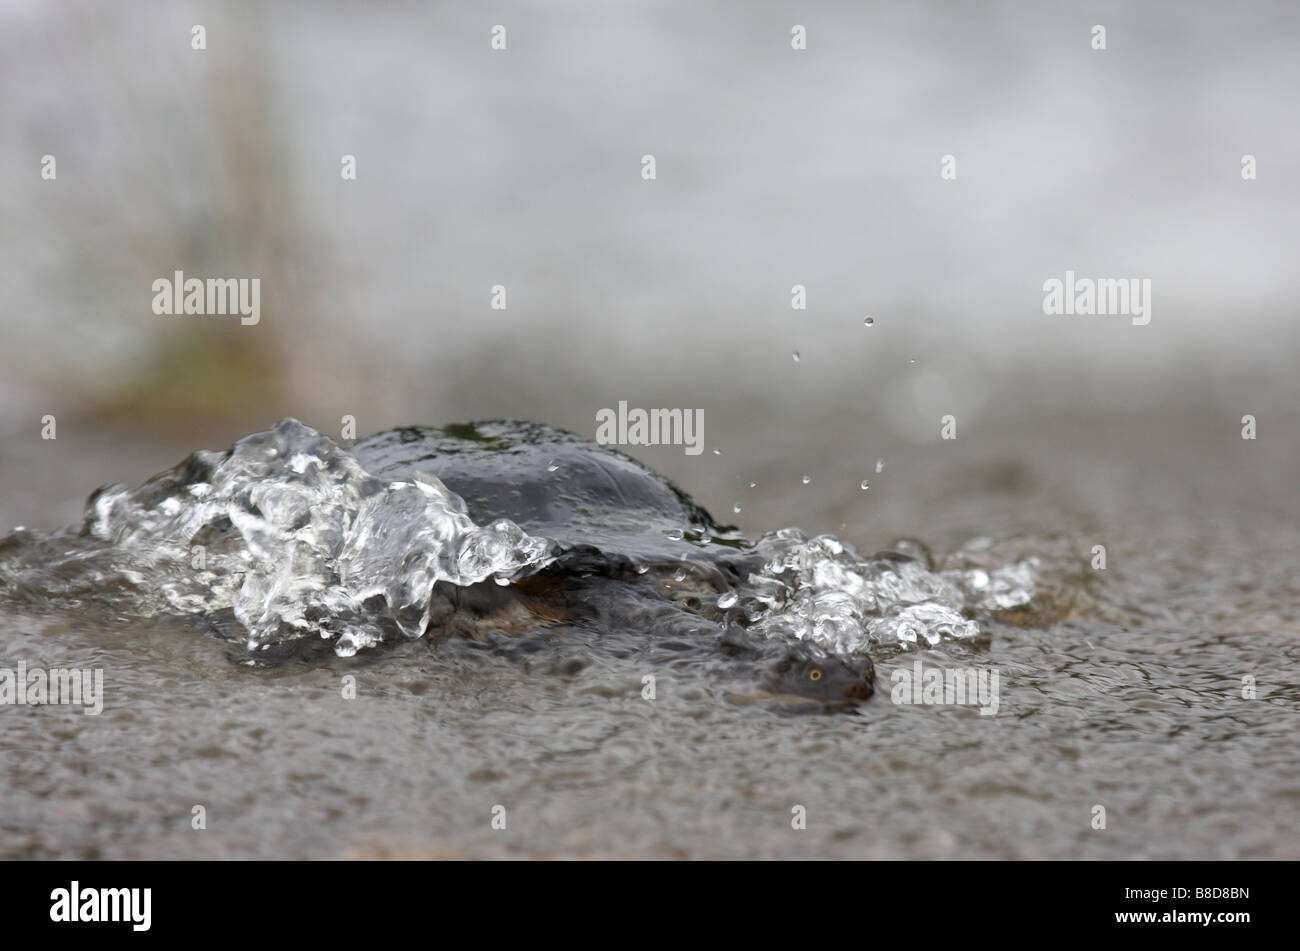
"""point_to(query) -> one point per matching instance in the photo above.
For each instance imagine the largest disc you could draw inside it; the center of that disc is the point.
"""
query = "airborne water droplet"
(736, 508)
(552, 466)
(865, 485)
(753, 485)
(727, 600)
(868, 321)
(880, 465)
(680, 575)
(806, 479)
(675, 534)
(796, 356)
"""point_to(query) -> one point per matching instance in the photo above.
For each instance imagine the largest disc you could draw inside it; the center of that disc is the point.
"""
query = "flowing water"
(1121, 687)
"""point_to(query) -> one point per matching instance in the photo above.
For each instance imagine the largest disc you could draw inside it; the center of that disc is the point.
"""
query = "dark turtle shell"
(554, 484)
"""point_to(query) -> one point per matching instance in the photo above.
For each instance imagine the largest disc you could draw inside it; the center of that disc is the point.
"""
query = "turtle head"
(805, 677)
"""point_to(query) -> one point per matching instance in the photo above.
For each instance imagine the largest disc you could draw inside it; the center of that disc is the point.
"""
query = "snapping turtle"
(631, 550)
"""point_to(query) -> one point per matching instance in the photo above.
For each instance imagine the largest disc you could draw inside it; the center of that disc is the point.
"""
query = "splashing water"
(290, 533)
(822, 591)
(287, 530)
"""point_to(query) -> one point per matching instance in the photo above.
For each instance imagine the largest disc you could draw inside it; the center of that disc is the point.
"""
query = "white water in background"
(774, 168)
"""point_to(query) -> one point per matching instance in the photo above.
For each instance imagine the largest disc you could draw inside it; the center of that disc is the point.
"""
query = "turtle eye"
(815, 674)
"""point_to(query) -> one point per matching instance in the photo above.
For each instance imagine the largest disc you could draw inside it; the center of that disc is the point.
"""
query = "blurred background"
(775, 167)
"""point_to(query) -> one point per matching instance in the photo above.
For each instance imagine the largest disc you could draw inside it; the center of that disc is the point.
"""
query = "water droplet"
(796, 356)
(806, 479)
(912, 361)
(705, 538)
(552, 466)
(680, 575)
(868, 321)
(865, 485)
(736, 508)
(753, 485)
(727, 600)
(501, 581)
(642, 569)
(717, 452)
(880, 465)
(674, 534)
